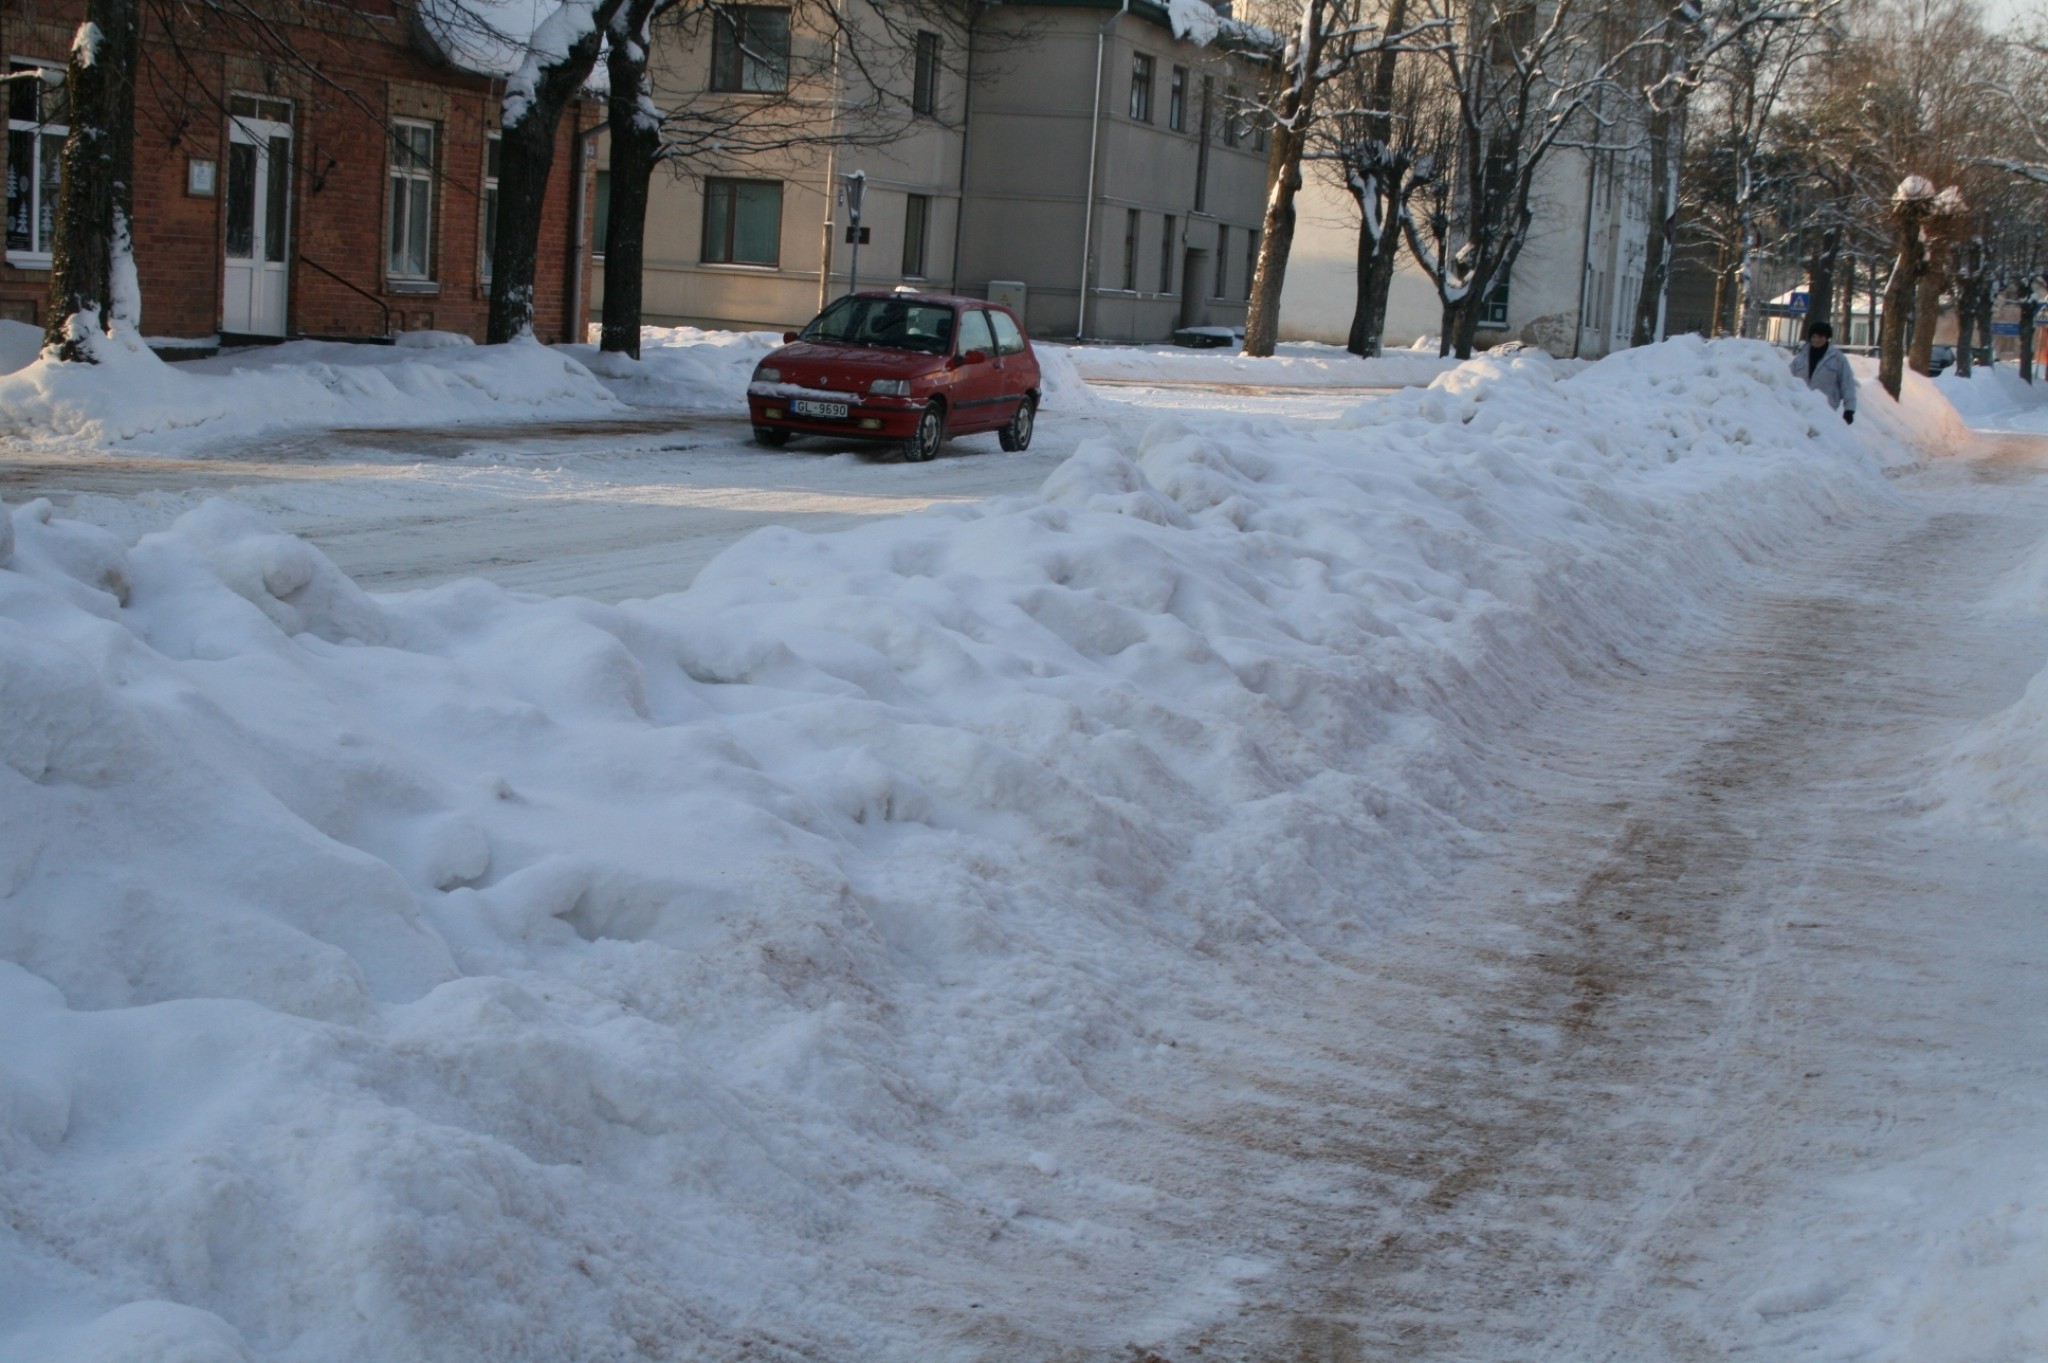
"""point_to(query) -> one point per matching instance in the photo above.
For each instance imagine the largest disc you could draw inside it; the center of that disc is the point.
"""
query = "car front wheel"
(930, 434)
(1017, 435)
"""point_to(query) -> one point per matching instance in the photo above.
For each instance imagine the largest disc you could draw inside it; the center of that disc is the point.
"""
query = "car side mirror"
(975, 357)
(788, 337)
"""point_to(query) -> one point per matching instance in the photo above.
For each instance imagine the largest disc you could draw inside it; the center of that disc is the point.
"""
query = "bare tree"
(93, 289)
(1522, 79)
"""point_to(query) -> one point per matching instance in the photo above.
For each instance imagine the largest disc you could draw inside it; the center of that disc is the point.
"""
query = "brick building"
(326, 172)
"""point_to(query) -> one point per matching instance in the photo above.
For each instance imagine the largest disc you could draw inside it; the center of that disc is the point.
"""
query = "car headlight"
(766, 374)
(890, 388)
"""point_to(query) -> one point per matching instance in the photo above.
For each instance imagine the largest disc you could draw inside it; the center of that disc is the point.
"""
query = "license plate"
(805, 407)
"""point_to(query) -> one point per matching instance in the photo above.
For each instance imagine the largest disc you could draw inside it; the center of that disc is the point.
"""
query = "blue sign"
(1799, 301)
(2005, 328)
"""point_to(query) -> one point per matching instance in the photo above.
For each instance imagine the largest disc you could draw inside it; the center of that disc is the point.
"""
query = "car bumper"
(863, 420)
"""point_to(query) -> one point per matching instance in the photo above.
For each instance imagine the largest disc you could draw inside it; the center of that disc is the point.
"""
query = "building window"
(1177, 100)
(1141, 88)
(1262, 131)
(38, 116)
(917, 220)
(1251, 261)
(1167, 241)
(743, 222)
(750, 49)
(1233, 126)
(1494, 311)
(924, 90)
(494, 155)
(412, 201)
(601, 228)
(1222, 289)
(1131, 217)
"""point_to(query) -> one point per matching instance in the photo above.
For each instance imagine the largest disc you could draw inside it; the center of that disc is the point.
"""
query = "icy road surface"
(1735, 1050)
(607, 509)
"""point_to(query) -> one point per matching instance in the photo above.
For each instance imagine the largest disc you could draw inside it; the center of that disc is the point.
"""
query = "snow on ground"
(133, 397)
(1996, 398)
(1295, 365)
(788, 966)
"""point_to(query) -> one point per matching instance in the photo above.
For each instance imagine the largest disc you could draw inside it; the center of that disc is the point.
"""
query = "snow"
(1913, 189)
(1299, 364)
(1996, 398)
(802, 957)
(1195, 21)
(133, 396)
(85, 44)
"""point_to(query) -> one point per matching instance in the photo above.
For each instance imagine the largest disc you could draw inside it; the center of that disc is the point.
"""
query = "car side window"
(974, 334)
(1009, 337)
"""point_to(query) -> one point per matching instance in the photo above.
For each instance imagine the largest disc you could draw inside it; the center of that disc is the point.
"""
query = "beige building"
(997, 159)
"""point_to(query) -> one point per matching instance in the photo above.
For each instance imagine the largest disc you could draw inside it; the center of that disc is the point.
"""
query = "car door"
(977, 386)
(1019, 372)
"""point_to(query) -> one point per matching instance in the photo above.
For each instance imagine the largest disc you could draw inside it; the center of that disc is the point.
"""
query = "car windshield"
(892, 322)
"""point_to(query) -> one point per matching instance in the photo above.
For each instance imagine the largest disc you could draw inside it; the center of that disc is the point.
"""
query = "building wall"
(1028, 179)
(1020, 127)
(338, 185)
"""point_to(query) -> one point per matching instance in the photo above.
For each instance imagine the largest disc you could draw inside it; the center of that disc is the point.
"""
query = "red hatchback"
(909, 367)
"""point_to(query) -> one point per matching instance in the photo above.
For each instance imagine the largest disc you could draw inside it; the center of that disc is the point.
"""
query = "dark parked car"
(1940, 358)
(909, 367)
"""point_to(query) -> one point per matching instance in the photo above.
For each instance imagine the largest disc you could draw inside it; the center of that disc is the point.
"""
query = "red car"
(909, 367)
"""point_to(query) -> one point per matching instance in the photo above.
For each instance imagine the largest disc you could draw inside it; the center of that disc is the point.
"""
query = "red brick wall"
(367, 75)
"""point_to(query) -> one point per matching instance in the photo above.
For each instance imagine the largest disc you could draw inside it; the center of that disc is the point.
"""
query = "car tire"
(1017, 435)
(923, 446)
(770, 436)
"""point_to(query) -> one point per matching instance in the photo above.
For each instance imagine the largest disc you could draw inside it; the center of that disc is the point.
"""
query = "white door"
(259, 219)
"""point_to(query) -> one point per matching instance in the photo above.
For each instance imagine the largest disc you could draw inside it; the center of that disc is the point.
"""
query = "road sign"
(2005, 328)
(1799, 301)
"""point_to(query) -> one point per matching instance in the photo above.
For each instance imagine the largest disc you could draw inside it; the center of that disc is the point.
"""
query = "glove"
(1850, 416)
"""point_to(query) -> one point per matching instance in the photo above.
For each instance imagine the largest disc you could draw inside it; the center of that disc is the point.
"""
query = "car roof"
(920, 296)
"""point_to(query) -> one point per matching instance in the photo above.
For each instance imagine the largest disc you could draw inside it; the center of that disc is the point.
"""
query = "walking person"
(1826, 370)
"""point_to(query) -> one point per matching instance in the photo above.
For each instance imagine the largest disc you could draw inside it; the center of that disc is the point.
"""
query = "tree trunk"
(1926, 316)
(1898, 296)
(1377, 255)
(1663, 237)
(635, 150)
(1847, 334)
(92, 271)
(2028, 309)
(1820, 277)
(1292, 114)
(527, 155)
(1377, 259)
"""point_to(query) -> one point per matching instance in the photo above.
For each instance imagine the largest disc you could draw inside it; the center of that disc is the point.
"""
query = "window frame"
(1233, 131)
(487, 207)
(1166, 253)
(1133, 222)
(421, 179)
(1144, 69)
(1177, 100)
(924, 77)
(37, 131)
(1222, 279)
(1493, 309)
(1251, 261)
(730, 34)
(704, 255)
(917, 209)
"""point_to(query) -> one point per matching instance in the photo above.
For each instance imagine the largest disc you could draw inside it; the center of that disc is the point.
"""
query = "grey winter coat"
(1830, 378)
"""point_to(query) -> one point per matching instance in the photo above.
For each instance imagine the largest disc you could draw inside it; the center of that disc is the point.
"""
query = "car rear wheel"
(1017, 435)
(931, 433)
(773, 438)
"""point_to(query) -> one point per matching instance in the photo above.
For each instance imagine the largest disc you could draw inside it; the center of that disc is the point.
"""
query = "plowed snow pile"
(793, 967)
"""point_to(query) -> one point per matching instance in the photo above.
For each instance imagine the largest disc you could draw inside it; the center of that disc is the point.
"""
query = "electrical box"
(1009, 292)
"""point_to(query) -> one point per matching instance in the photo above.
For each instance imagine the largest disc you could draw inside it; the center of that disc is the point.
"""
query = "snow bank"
(1296, 365)
(133, 396)
(1996, 398)
(856, 956)
(682, 367)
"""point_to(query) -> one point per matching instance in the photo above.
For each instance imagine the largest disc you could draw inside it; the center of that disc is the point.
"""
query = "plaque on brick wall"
(199, 177)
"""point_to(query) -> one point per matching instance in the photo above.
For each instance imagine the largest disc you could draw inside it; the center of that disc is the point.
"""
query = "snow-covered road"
(1735, 1048)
